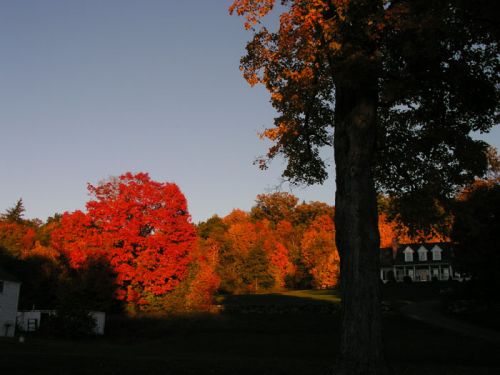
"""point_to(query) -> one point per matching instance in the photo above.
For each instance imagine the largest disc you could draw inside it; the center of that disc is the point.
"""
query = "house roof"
(4, 275)
(389, 258)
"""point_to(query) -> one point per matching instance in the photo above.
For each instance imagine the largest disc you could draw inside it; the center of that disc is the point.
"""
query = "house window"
(408, 254)
(422, 254)
(436, 253)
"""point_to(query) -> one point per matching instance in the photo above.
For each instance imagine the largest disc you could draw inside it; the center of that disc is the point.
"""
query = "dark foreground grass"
(242, 344)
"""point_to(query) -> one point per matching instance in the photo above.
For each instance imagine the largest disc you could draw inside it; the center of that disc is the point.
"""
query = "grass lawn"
(488, 319)
(295, 343)
(332, 296)
(288, 298)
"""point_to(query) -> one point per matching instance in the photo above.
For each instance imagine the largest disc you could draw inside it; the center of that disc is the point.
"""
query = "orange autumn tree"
(243, 237)
(204, 281)
(274, 207)
(29, 258)
(253, 256)
(141, 227)
(281, 266)
(261, 249)
(393, 233)
(17, 235)
(320, 253)
(16, 238)
(276, 253)
(245, 263)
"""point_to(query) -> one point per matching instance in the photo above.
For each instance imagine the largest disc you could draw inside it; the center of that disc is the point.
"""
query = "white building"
(9, 299)
(418, 262)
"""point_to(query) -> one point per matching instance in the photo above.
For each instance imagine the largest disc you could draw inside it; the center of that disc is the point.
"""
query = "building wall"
(9, 297)
(100, 320)
(24, 318)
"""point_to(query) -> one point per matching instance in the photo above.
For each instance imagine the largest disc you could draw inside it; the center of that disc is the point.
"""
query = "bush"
(68, 324)
(407, 279)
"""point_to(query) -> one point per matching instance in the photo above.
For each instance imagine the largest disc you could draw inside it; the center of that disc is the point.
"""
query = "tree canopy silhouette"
(396, 87)
(475, 230)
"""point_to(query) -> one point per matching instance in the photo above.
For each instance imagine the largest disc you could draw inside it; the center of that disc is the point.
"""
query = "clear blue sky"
(94, 88)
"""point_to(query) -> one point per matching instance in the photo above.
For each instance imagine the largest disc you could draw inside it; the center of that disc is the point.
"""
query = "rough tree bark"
(357, 235)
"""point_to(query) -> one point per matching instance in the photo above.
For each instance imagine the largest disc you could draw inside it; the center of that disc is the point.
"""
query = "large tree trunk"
(357, 233)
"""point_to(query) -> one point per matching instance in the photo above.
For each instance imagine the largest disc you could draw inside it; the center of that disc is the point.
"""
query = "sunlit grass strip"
(322, 295)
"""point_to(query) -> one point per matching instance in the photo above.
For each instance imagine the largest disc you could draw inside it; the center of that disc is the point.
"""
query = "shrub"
(68, 324)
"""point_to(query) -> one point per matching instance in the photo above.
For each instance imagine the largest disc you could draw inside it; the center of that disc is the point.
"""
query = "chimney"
(394, 245)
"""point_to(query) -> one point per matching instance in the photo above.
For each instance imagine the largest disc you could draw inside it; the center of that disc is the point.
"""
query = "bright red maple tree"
(141, 227)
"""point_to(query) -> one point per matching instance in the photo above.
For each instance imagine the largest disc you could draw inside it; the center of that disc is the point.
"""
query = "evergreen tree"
(15, 214)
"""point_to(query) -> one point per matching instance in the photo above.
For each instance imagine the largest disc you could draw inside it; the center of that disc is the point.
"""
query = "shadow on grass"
(417, 291)
(242, 344)
(229, 343)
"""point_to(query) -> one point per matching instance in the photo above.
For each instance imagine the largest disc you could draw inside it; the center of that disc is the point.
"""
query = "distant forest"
(135, 248)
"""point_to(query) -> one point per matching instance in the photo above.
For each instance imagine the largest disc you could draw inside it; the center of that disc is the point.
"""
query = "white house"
(418, 262)
(9, 299)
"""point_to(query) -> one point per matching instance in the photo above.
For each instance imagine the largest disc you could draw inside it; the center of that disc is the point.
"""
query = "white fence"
(30, 320)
